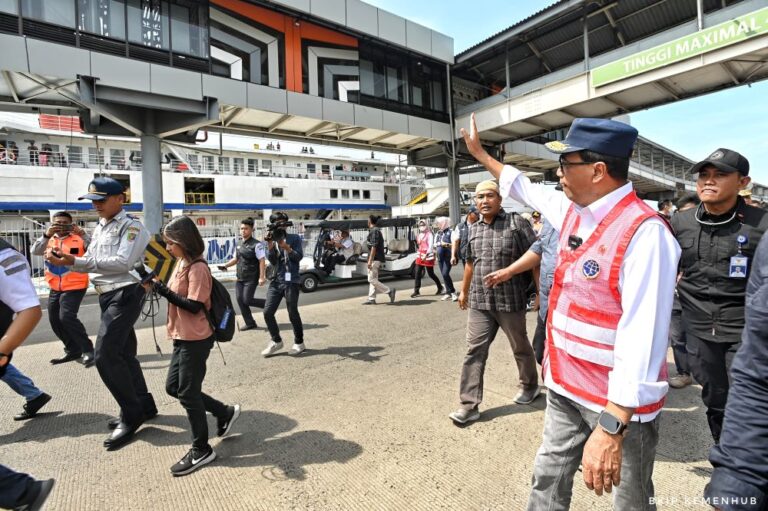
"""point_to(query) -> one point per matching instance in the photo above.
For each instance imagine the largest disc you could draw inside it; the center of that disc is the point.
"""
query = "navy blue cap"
(604, 136)
(102, 187)
(472, 209)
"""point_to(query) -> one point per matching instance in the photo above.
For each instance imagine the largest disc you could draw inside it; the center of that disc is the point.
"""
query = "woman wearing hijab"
(425, 258)
(443, 245)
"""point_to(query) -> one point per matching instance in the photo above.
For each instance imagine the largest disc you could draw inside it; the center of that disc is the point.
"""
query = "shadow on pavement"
(259, 439)
(538, 405)
(359, 353)
(409, 302)
(56, 424)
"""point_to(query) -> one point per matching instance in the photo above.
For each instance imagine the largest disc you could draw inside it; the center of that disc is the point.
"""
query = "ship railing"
(199, 198)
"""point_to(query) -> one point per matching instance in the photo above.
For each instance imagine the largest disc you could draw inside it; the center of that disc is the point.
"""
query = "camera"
(278, 223)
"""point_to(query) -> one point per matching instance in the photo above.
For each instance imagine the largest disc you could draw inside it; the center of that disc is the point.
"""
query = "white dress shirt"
(646, 282)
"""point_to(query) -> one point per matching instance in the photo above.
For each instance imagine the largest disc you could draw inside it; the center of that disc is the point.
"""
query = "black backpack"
(222, 314)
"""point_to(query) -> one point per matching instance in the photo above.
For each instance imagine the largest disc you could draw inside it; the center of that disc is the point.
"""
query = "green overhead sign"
(731, 32)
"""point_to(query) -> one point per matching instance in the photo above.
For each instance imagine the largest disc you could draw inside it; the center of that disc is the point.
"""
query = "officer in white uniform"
(17, 296)
(118, 242)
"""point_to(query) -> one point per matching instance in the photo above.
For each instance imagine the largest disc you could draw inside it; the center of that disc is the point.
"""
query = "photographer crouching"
(284, 251)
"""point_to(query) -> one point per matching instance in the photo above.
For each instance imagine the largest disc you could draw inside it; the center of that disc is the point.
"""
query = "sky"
(735, 118)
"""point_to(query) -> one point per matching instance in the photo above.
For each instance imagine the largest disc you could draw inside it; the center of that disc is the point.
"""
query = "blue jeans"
(13, 486)
(444, 258)
(20, 383)
(567, 426)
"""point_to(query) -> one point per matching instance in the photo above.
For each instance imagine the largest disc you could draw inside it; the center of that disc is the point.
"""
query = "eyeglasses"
(565, 163)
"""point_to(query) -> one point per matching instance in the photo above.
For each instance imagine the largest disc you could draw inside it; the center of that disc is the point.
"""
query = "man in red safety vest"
(67, 288)
(608, 319)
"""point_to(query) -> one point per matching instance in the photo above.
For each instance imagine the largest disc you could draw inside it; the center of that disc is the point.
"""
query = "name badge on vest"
(738, 267)
(287, 276)
(590, 269)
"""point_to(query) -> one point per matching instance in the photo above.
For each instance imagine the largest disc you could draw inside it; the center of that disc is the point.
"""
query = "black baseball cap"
(101, 188)
(725, 160)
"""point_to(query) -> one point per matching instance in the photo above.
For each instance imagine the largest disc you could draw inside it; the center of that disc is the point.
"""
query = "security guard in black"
(718, 241)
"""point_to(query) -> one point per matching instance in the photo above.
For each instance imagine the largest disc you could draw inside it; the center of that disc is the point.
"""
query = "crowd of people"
(618, 280)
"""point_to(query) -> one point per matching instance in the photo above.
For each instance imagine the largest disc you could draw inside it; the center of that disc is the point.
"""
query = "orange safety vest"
(585, 303)
(62, 278)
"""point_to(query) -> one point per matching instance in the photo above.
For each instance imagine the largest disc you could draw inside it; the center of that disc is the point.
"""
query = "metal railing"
(198, 198)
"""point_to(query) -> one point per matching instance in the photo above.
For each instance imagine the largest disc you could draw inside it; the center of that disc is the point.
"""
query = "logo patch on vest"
(590, 269)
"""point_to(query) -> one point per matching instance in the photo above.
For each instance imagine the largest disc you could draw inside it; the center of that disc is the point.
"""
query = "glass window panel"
(148, 23)
(334, 194)
(59, 12)
(224, 163)
(102, 17)
(345, 194)
(10, 6)
(189, 28)
(355, 194)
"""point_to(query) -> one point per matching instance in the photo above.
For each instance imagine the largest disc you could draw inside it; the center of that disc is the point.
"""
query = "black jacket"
(247, 262)
(713, 302)
(741, 458)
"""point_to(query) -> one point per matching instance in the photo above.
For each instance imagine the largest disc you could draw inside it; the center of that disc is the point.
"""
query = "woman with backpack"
(425, 259)
(189, 298)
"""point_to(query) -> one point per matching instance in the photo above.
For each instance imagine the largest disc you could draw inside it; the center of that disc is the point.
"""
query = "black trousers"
(116, 353)
(275, 294)
(420, 273)
(711, 364)
(539, 339)
(244, 291)
(63, 307)
(13, 487)
(678, 339)
(185, 382)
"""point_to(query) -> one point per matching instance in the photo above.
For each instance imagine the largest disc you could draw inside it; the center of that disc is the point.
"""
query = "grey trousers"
(567, 426)
(482, 327)
(374, 284)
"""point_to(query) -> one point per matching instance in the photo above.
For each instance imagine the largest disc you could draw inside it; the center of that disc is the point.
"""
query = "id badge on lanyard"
(737, 269)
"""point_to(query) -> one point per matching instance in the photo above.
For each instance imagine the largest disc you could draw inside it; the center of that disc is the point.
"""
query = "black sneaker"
(193, 460)
(225, 425)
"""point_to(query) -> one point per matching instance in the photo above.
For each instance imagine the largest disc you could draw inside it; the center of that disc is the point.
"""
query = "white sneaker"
(296, 349)
(272, 348)
(454, 297)
(445, 297)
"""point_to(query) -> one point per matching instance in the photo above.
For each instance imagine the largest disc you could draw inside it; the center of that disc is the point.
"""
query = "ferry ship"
(46, 163)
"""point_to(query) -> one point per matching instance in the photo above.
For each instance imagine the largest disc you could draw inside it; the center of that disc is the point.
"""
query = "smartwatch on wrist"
(610, 424)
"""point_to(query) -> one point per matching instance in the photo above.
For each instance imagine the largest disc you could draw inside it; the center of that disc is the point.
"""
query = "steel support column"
(151, 177)
(454, 207)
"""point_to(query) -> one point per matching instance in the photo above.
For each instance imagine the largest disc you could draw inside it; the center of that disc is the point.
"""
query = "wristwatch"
(610, 424)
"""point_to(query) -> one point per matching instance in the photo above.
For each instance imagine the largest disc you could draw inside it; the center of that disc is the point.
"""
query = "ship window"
(75, 154)
(238, 164)
(208, 164)
(311, 168)
(253, 165)
(345, 194)
(117, 158)
(277, 193)
(95, 157)
(366, 194)
(334, 193)
(224, 163)
(266, 164)
(355, 194)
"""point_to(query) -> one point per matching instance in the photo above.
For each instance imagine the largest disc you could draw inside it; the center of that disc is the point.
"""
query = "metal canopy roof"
(29, 92)
(552, 39)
